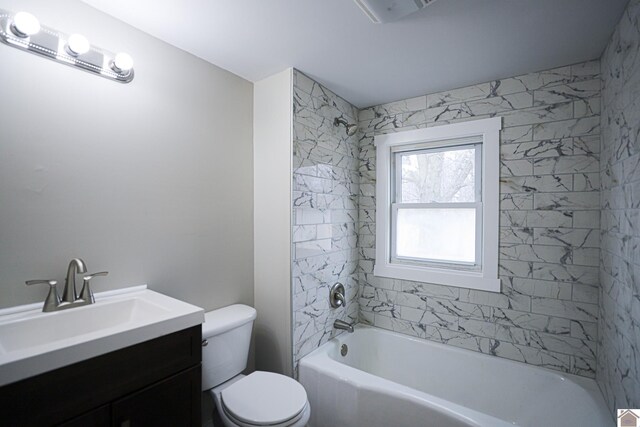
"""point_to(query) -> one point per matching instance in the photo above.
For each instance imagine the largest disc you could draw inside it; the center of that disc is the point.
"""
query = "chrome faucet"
(52, 302)
(86, 295)
(341, 324)
(336, 296)
(70, 295)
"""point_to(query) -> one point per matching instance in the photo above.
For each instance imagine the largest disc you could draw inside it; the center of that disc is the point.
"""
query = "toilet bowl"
(262, 399)
(258, 399)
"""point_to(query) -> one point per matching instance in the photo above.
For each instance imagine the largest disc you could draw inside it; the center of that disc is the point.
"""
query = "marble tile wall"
(325, 213)
(547, 311)
(618, 372)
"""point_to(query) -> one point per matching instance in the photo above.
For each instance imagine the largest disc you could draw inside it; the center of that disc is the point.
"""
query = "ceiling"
(449, 44)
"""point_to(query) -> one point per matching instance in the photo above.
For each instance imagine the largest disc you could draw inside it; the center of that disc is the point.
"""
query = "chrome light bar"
(23, 31)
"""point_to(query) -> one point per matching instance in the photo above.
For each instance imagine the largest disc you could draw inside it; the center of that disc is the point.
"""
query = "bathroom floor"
(210, 416)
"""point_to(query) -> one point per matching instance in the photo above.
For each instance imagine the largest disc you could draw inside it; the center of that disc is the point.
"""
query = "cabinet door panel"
(169, 403)
(66, 392)
(100, 417)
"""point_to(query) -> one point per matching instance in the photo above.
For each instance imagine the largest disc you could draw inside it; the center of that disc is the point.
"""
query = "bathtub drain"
(344, 349)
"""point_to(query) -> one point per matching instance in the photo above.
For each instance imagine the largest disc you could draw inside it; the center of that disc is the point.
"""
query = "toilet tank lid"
(226, 318)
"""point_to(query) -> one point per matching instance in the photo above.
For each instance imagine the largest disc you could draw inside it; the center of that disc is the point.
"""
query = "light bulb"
(122, 63)
(77, 44)
(25, 24)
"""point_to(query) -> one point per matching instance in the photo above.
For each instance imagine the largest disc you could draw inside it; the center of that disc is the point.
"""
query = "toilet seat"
(264, 399)
(286, 423)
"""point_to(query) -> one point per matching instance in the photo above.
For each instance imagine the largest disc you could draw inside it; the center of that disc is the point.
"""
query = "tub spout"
(339, 324)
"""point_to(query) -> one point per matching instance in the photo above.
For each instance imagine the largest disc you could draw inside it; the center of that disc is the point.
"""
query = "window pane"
(446, 176)
(437, 234)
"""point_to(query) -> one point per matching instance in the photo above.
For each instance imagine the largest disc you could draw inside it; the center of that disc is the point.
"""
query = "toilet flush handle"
(205, 343)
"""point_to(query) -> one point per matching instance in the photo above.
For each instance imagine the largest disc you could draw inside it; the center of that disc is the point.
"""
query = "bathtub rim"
(336, 370)
(584, 382)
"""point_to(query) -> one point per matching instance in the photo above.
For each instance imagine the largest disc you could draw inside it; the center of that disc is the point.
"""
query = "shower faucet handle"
(336, 296)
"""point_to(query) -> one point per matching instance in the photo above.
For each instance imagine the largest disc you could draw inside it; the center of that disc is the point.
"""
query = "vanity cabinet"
(154, 383)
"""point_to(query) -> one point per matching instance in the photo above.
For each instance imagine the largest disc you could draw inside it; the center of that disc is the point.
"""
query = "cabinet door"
(169, 403)
(65, 393)
(100, 417)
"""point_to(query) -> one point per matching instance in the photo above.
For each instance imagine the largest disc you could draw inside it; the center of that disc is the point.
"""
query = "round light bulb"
(25, 24)
(122, 63)
(77, 44)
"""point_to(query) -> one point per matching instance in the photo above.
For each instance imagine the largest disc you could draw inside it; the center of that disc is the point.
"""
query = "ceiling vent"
(381, 11)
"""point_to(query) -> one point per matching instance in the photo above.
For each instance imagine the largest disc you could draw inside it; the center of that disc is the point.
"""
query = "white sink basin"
(33, 342)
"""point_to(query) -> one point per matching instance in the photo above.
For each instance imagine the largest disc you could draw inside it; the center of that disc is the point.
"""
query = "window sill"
(461, 279)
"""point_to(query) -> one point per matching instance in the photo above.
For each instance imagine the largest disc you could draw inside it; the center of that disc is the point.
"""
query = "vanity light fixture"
(23, 31)
(24, 25)
(77, 44)
(122, 63)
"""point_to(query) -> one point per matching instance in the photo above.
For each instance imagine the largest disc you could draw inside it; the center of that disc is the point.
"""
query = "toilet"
(257, 399)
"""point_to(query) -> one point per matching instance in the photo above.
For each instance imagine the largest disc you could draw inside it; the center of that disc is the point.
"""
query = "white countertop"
(33, 342)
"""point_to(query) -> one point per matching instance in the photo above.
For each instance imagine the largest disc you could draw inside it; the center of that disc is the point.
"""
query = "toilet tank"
(227, 332)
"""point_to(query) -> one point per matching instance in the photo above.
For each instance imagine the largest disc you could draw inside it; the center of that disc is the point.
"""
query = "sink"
(37, 331)
(33, 342)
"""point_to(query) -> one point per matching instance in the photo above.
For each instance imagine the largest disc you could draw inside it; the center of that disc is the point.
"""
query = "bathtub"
(388, 379)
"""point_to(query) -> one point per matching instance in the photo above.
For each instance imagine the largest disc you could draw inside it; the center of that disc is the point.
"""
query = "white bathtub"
(392, 380)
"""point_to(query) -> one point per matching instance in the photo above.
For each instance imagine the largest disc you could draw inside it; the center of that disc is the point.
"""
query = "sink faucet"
(70, 295)
(340, 324)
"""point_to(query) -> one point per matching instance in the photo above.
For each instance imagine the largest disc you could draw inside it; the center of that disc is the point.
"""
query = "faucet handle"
(53, 299)
(38, 282)
(85, 293)
(92, 275)
(336, 296)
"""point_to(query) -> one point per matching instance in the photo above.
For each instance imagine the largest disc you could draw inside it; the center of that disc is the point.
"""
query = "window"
(437, 205)
(436, 197)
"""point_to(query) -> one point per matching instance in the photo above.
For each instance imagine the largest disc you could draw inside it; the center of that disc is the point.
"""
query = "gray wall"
(325, 213)
(151, 180)
(619, 326)
(546, 312)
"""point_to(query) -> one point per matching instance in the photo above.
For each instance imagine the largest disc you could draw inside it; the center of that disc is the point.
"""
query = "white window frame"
(485, 274)
(396, 194)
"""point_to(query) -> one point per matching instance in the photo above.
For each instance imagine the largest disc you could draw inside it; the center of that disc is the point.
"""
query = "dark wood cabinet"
(100, 417)
(154, 383)
(169, 403)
